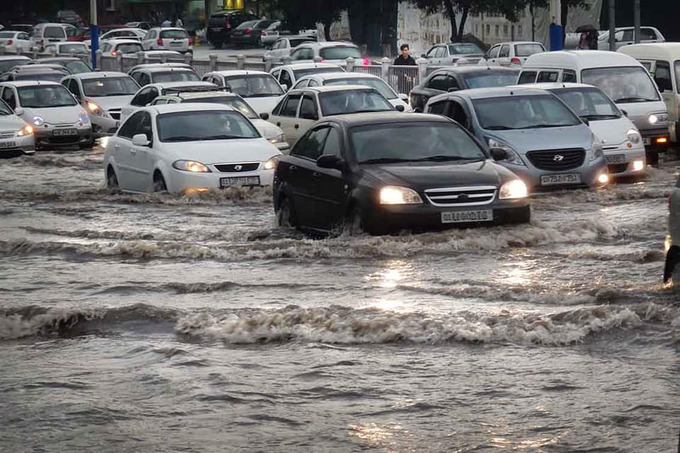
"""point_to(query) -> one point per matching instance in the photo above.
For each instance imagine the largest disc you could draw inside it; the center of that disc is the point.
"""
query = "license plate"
(5, 145)
(240, 181)
(176, 44)
(485, 215)
(555, 180)
(64, 132)
(615, 158)
(647, 141)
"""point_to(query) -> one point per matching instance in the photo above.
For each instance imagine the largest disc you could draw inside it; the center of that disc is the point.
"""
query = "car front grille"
(237, 168)
(557, 159)
(461, 196)
(6, 134)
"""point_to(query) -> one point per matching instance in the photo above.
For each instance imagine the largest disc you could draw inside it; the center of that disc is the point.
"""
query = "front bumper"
(185, 181)
(103, 126)
(531, 175)
(621, 161)
(44, 136)
(25, 144)
(656, 139)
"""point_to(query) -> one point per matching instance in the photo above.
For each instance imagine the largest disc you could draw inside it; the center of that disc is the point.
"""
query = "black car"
(250, 33)
(223, 23)
(385, 172)
(460, 78)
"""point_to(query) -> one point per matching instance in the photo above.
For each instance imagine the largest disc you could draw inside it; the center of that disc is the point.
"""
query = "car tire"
(285, 217)
(112, 180)
(159, 184)
(258, 43)
(217, 44)
(355, 224)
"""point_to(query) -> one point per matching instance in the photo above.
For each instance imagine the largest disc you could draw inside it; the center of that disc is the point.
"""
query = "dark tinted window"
(523, 112)
(353, 101)
(568, 76)
(662, 76)
(311, 145)
(527, 77)
(204, 125)
(437, 108)
(547, 76)
(525, 50)
(175, 76)
(490, 79)
(339, 53)
(128, 128)
(9, 98)
(54, 32)
(174, 34)
(505, 51)
(441, 82)
(333, 145)
(290, 107)
(308, 109)
(77, 67)
(6, 65)
(144, 126)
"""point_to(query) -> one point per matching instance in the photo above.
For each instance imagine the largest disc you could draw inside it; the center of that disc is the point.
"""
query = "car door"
(287, 80)
(492, 58)
(331, 186)
(24, 42)
(663, 79)
(504, 55)
(121, 150)
(141, 157)
(285, 115)
(308, 115)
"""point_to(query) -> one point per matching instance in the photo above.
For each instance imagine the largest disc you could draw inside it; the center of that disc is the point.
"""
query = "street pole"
(612, 25)
(94, 33)
(637, 21)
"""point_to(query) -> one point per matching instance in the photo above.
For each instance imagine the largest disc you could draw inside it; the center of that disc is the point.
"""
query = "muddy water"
(167, 323)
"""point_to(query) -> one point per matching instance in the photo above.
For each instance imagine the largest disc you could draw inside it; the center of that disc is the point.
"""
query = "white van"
(620, 76)
(662, 60)
(44, 34)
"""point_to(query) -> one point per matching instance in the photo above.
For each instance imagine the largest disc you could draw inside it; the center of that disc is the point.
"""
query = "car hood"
(11, 123)
(55, 115)
(612, 132)
(222, 151)
(263, 104)
(421, 176)
(524, 140)
(266, 129)
(111, 102)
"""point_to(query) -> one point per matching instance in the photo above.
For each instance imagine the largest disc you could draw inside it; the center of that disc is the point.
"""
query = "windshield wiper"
(384, 160)
(499, 128)
(600, 117)
(221, 137)
(543, 126)
(261, 95)
(634, 99)
(179, 138)
(118, 94)
(442, 158)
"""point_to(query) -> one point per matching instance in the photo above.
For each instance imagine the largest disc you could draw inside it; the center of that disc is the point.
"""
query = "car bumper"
(626, 162)
(589, 174)
(103, 126)
(25, 144)
(44, 136)
(656, 139)
(187, 182)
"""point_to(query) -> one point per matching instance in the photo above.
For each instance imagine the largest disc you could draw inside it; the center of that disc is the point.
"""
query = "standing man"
(179, 23)
(404, 59)
(166, 23)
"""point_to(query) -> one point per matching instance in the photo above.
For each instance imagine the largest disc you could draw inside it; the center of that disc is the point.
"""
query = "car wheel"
(217, 44)
(354, 224)
(159, 183)
(284, 216)
(111, 180)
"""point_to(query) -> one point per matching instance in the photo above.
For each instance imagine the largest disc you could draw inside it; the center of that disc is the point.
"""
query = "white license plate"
(5, 145)
(647, 141)
(64, 132)
(176, 44)
(484, 215)
(556, 180)
(240, 181)
(615, 158)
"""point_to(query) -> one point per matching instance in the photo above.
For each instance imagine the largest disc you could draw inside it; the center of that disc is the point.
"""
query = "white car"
(145, 74)
(453, 54)
(329, 51)
(269, 131)
(621, 140)
(354, 78)
(260, 89)
(187, 148)
(168, 39)
(59, 48)
(102, 94)
(148, 93)
(625, 36)
(15, 133)
(15, 41)
(119, 33)
(283, 47)
(114, 47)
(271, 33)
(287, 75)
(511, 53)
(55, 115)
(8, 62)
(45, 33)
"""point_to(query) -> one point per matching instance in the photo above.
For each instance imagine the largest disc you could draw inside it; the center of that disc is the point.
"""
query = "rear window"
(54, 32)
(75, 48)
(129, 48)
(174, 34)
(262, 25)
(175, 76)
(297, 42)
(6, 34)
(525, 50)
(464, 49)
(490, 79)
(353, 101)
(248, 24)
(339, 53)
(6, 65)
(231, 101)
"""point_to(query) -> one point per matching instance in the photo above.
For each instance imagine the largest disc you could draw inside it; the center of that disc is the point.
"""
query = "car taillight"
(228, 24)
(159, 42)
(323, 60)
(9, 42)
(191, 42)
(248, 31)
(366, 62)
(114, 53)
(515, 60)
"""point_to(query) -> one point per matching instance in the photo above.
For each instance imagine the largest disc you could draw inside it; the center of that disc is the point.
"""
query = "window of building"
(498, 29)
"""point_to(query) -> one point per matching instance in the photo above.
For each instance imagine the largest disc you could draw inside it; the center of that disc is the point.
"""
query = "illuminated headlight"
(278, 139)
(513, 189)
(190, 165)
(658, 118)
(603, 179)
(596, 152)
(38, 120)
(83, 118)
(94, 108)
(513, 156)
(638, 165)
(271, 163)
(26, 130)
(633, 136)
(399, 195)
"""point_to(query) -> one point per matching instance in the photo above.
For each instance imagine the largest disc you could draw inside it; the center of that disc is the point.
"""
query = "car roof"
(200, 94)
(554, 85)
(237, 72)
(669, 50)
(518, 42)
(332, 88)
(362, 119)
(487, 93)
(46, 60)
(122, 41)
(132, 29)
(164, 69)
(167, 28)
(13, 57)
(339, 75)
(579, 58)
(193, 83)
(188, 107)
(98, 75)
(308, 66)
(322, 44)
(469, 69)
(29, 83)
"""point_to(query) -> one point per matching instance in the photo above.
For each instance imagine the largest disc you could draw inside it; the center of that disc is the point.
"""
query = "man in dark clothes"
(404, 59)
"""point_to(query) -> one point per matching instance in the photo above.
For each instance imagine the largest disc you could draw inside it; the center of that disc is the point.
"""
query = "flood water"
(133, 323)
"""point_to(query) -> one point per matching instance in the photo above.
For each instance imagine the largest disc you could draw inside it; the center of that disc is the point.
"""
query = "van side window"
(569, 76)
(527, 77)
(662, 76)
(547, 76)
(438, 108)
(505, 51)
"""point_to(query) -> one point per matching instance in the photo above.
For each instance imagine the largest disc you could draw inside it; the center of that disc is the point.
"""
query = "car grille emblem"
(558, 158)
(238, 167)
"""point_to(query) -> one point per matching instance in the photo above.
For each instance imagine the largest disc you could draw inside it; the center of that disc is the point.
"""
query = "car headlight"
(513, 189)
(190, 165)
(271, 163)
(596, 151)
(83, 118)
(94, 108)
(513, 156)
(278, 139)
(633, 136)
(399, 195)
(26, 130)
(38, 120)
(658, 118)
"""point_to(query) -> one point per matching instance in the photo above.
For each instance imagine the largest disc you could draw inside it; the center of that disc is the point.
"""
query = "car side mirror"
(399, 108)
(18, 111)
(498, 154)
(403, 97)
(328, 161)
(264, 116)
(140, 140)
(285, 86)
(452, 89)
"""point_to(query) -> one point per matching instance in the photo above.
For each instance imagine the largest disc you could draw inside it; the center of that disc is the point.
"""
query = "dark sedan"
(250, 33)
(385, 172)
(460, 78)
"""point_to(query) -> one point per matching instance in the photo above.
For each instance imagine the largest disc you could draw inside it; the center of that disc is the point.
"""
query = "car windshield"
(6, 65)
(174, 34)
(54, 32)
(490, 79)
(52, 76)
(6, 34)
(525, 50)
(297, 42)
(413, 142)
(353, 101)
(299, 73)
(378, 84)
(109, 86)
(4, 109)
(589, 103)
(45, 96)
(232, 101)
(464, 49)
(77, 67)
(624, 84)
(204, 125)
(175, 76)
(523, 112)
(252, 86)
(129, 48)
(339, 52)
(75, 48)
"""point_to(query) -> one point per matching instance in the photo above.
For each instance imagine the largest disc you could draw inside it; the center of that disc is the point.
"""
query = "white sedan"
(188, 148)
(15, 41)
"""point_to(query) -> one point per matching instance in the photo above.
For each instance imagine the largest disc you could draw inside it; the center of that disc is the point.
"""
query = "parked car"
(121, 33)
(250, 33)
(511, 53)
(189, 147)
(288, 75)
(530, 132)
(450, 54)
(271, 34)
(59, 48)
(51, 110)
(382, 173)
(73, 65)
(221, 25)
(354, 78)
(15, 41)
(336, 52)
(620, 76)
(176, 39)
(272, 133)
(260, 89)
(621, 141)
(459, 78)
(625, 36)
(140, 25)
(8, 62)
(300, 109)
(102, 95)
(283, 47)
(115, 47)
(148, 93)
(46, 33)
(145, 74)
(16, 135)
